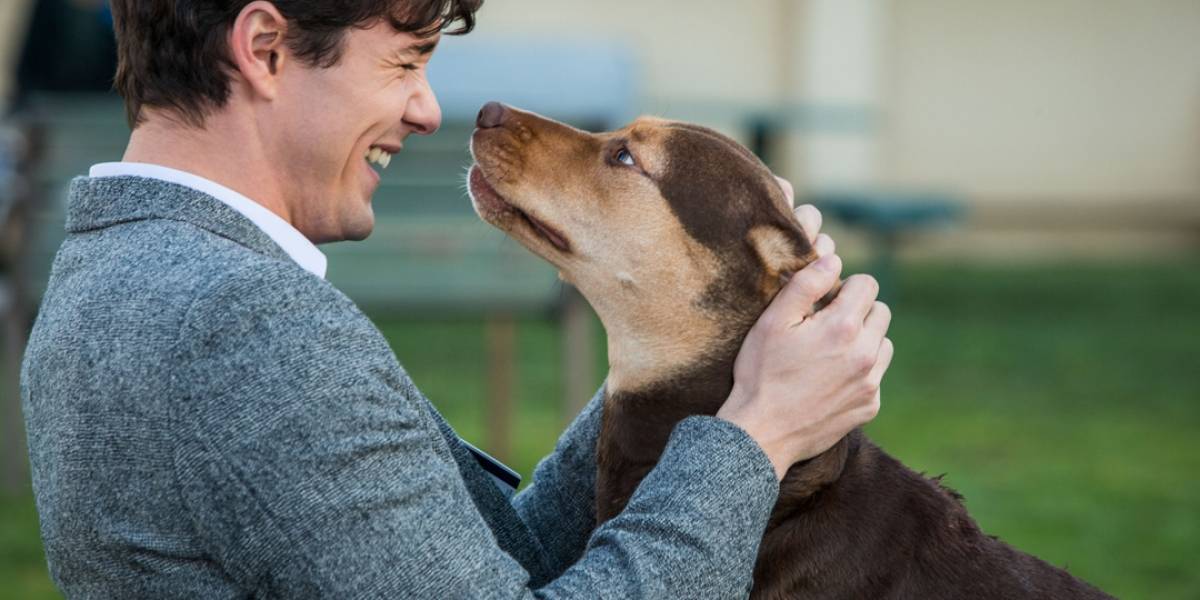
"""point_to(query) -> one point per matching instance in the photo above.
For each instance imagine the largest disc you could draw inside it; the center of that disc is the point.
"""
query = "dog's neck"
(646, 397)
(639, 360)
(665, 340)
(655, 335)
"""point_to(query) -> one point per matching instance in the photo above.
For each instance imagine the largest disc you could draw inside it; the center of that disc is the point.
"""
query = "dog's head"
(677, 235)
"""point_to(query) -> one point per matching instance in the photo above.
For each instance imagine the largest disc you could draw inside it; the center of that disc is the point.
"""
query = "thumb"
(809, 285)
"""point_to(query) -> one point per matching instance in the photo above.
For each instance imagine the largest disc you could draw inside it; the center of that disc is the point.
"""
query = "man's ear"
(258, 47)
(782, 253)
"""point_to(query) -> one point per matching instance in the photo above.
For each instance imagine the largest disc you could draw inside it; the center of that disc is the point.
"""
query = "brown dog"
(679, 238)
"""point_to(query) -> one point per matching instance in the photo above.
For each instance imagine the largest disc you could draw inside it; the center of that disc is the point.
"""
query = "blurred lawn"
(1061, 401)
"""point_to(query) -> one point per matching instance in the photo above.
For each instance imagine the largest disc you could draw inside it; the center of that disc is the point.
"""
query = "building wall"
(1072, 100)
(1053, 119)
(691, 50)
(1039, 98)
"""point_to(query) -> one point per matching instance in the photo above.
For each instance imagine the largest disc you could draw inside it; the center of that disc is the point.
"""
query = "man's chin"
(353, 229)
(360, 226)
(358, 235)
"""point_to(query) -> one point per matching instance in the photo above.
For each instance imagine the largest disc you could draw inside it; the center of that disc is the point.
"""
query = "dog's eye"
(624, 157)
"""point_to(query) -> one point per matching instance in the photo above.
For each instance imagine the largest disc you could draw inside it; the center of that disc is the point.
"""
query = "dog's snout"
(493, 114)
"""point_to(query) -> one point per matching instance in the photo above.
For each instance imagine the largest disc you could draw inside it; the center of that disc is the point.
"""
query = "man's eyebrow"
(422, 48)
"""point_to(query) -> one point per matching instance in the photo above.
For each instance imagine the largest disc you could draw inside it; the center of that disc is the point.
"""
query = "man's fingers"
(810, 220)
(788, 190)
(884, 360)
(878, 320)
(809, 285)
(824, 245)
(855, 299)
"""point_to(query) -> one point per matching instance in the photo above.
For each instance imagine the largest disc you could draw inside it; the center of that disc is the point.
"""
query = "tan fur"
(778, 256)
(679, 257)
(629, 255)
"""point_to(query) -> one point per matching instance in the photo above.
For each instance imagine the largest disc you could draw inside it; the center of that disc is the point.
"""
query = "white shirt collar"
(280, 231)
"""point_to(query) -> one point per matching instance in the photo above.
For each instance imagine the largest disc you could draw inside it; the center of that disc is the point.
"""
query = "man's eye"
(624, 157)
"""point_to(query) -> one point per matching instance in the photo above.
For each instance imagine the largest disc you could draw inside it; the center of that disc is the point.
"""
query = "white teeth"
(379, 156)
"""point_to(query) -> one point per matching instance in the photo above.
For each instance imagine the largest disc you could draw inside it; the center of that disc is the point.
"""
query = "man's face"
(328, 120)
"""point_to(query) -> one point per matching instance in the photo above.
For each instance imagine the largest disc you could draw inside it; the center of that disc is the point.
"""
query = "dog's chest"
(634, 432)
(629, 446)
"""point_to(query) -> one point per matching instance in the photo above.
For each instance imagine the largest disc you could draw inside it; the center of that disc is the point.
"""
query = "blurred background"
(1022, 176)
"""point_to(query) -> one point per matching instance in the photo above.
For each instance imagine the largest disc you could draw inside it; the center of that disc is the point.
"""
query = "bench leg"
(579, 359)
(501, 344)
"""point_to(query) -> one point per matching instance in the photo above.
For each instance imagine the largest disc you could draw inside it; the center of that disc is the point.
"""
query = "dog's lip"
(484, 193)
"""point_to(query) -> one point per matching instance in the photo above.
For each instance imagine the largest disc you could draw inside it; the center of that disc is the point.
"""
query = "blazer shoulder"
(212, 271)
(269, 290)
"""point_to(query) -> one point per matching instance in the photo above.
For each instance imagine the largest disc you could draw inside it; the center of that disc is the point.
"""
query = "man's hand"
(802, 381)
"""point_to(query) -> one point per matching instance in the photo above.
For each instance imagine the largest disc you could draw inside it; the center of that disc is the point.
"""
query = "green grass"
(22, 564)
(1061, 401)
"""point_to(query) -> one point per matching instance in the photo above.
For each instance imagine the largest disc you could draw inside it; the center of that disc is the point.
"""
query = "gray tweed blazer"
(208, 420)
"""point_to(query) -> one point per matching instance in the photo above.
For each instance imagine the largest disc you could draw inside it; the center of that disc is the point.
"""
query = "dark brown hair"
(173, 53)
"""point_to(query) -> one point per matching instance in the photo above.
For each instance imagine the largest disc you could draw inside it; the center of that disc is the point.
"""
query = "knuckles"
(871, 384)
(844, 329)
(863, 362)
(871, 410)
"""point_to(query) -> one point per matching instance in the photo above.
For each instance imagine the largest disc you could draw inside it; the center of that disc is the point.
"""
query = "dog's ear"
(782, 251)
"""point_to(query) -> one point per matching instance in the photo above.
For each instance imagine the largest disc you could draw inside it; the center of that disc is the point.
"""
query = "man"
(209, 418)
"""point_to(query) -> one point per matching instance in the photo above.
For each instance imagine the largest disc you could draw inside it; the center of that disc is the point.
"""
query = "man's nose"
(493, 114)
(422, 113)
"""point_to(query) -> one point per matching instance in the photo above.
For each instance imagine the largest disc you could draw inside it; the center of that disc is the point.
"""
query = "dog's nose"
(491, 115)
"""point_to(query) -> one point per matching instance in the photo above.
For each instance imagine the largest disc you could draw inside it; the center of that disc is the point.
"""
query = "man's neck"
(226, 150)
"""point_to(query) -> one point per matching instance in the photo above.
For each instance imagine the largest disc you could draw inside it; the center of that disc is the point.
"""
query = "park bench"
(888, 217)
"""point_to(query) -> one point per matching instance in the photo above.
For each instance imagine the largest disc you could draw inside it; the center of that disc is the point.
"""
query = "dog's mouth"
(494, 208)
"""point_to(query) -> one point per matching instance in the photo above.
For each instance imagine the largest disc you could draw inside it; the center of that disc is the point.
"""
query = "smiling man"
(209, 418)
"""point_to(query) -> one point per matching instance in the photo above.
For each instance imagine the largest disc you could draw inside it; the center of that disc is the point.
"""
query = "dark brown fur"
(850, 523)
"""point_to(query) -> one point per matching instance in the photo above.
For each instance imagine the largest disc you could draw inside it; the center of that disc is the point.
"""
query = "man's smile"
(376, 159)
(380, 155)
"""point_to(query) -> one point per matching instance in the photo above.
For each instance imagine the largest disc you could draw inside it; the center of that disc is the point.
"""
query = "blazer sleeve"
(559, 505)
(308, 472)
